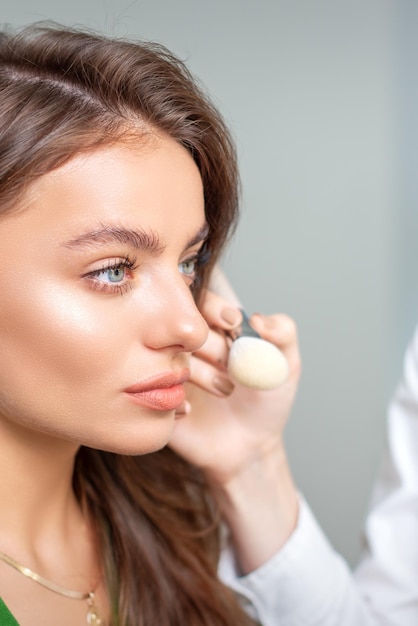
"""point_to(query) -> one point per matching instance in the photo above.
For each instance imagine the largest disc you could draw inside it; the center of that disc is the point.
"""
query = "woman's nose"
(175, 321)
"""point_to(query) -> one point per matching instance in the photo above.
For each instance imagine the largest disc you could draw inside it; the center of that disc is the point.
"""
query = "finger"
(278, 328)
(215, 350)
(209, 378)
(220, 285)
(218, 312)
(183, 409)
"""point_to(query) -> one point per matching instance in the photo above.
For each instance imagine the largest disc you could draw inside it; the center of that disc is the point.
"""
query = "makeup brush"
(255, 362)
(252, 361)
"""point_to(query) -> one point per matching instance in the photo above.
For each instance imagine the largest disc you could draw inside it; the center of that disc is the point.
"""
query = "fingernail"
(231, 316)
(223, 385)
(184, 408)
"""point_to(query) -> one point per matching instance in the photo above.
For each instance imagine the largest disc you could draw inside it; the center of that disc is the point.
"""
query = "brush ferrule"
(244, 329)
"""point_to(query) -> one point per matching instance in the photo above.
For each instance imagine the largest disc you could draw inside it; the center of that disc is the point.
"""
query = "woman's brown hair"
(63, 92)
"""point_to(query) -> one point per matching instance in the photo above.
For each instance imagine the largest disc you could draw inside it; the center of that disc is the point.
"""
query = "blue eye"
(113, 274)
(188, 267)
(116, 277)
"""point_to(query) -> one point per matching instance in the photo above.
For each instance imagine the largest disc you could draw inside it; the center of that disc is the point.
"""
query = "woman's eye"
(188, 267)
(112, 274)
(115, 277)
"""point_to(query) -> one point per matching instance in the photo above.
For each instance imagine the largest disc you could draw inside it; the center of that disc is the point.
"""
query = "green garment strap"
(6, 618)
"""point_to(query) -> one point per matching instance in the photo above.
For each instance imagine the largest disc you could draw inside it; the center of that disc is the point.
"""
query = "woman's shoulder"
(6, 618)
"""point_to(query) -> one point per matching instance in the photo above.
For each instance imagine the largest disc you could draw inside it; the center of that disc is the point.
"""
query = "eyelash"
(128, 263)
(199, 259)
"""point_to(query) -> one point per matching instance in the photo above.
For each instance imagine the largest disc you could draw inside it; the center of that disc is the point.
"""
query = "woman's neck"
(44, 527)
(36, 493)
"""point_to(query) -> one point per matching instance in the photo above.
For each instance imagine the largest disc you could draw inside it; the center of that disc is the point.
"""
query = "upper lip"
(162, 381)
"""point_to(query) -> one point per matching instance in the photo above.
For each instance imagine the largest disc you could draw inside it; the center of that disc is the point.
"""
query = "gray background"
(321, 96)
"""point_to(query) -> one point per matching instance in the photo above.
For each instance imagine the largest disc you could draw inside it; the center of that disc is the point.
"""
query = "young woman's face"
(97, 320)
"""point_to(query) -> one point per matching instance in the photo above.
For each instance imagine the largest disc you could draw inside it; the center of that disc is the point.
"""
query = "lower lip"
(162, 399)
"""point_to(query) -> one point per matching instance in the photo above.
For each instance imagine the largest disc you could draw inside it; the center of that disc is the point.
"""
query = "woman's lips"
(161, 393)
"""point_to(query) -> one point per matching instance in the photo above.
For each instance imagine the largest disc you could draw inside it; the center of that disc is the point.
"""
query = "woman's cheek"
(60, 331)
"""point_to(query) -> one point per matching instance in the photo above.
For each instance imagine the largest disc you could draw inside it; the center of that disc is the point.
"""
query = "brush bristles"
(257, 363)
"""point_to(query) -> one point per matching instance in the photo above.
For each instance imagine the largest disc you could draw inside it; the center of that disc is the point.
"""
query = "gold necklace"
(93, 618)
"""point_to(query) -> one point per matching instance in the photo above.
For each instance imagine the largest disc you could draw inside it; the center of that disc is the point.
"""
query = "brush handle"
(245, 329)
(253, 361)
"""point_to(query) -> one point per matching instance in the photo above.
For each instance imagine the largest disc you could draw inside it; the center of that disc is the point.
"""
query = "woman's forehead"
(118, 190)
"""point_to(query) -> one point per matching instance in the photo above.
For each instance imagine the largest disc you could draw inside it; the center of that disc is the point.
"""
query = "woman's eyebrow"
(201, 235)
(139, 239)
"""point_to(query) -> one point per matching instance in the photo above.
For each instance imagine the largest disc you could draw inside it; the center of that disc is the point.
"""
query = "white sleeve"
(305, 584)
(308, 584)
(388, 572)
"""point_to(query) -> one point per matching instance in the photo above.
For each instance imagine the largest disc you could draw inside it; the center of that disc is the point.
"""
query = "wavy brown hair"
(63, 92)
